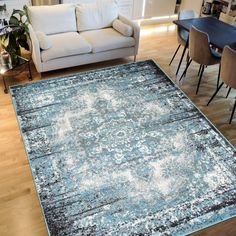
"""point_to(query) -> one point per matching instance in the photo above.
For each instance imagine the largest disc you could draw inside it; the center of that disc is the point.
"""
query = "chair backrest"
(228, 67)
(183, 15)
(227, 19)
(199, 48)
(187, 14)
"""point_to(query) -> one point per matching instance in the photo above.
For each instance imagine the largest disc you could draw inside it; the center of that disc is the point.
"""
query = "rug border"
(178, 86)
(216, 129)
(37, 194)
(91, 71)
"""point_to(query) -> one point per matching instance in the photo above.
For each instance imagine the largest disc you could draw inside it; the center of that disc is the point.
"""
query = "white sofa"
(69, 35)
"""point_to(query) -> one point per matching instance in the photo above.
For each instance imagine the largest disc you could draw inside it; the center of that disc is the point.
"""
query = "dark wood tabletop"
(220, 33)
(233, 46)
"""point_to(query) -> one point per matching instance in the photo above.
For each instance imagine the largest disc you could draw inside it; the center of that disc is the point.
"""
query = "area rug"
(123, 151)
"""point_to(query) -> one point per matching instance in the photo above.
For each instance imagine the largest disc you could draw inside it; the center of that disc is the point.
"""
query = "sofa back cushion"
(53, 19)
(97, 15)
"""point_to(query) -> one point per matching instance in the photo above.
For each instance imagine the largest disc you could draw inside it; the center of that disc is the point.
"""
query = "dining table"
(220, 33)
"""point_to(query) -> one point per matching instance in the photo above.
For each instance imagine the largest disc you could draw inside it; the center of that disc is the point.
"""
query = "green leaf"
(15, 39)
(12, 41)
(13, 20)
(20, 12)
(5, 41)
(23, 44)
(25, 28)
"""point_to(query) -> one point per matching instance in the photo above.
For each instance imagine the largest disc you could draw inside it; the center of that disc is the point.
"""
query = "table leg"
(5, 86)
(30, 74)
(182, 57)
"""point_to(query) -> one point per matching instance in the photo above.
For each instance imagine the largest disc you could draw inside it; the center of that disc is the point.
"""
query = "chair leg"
(135, 58)
(175, 54)
(40, 75)
(200, 78)
(218, 78)
(181, 59)
(228, 92)
(185, 71)
(187, 61)
(30, 72)
(217, 90)
(232, 115)
(187, 58)
(199, 71)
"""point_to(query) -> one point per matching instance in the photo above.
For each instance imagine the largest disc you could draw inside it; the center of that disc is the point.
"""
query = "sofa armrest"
(136, 29)
(36, 55)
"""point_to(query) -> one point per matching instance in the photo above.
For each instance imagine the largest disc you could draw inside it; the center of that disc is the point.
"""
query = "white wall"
(157, 8)
(15, 4)
(126, 7)
(135, 9)
(195, 5)
(77, 1)
(138, 9)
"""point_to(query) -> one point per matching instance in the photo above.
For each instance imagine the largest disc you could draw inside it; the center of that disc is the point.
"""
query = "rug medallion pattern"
(122, 151)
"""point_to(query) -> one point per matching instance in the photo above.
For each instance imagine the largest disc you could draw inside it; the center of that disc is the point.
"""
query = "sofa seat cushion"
(64, 45)
(107, 39)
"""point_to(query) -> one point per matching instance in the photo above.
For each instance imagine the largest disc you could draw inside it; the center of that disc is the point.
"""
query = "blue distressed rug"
(123, 151)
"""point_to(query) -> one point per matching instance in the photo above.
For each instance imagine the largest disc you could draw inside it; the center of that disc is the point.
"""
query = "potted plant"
(15, 39)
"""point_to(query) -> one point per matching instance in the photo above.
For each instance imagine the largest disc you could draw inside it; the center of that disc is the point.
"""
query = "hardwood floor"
(20, 212)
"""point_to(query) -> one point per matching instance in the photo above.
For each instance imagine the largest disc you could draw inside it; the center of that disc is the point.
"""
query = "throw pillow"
(44, 41)
(123, 28)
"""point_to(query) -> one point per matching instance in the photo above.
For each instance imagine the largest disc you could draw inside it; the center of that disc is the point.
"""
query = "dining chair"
(182, 35)
(227, 19)
(227, 74)
(201, 53)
